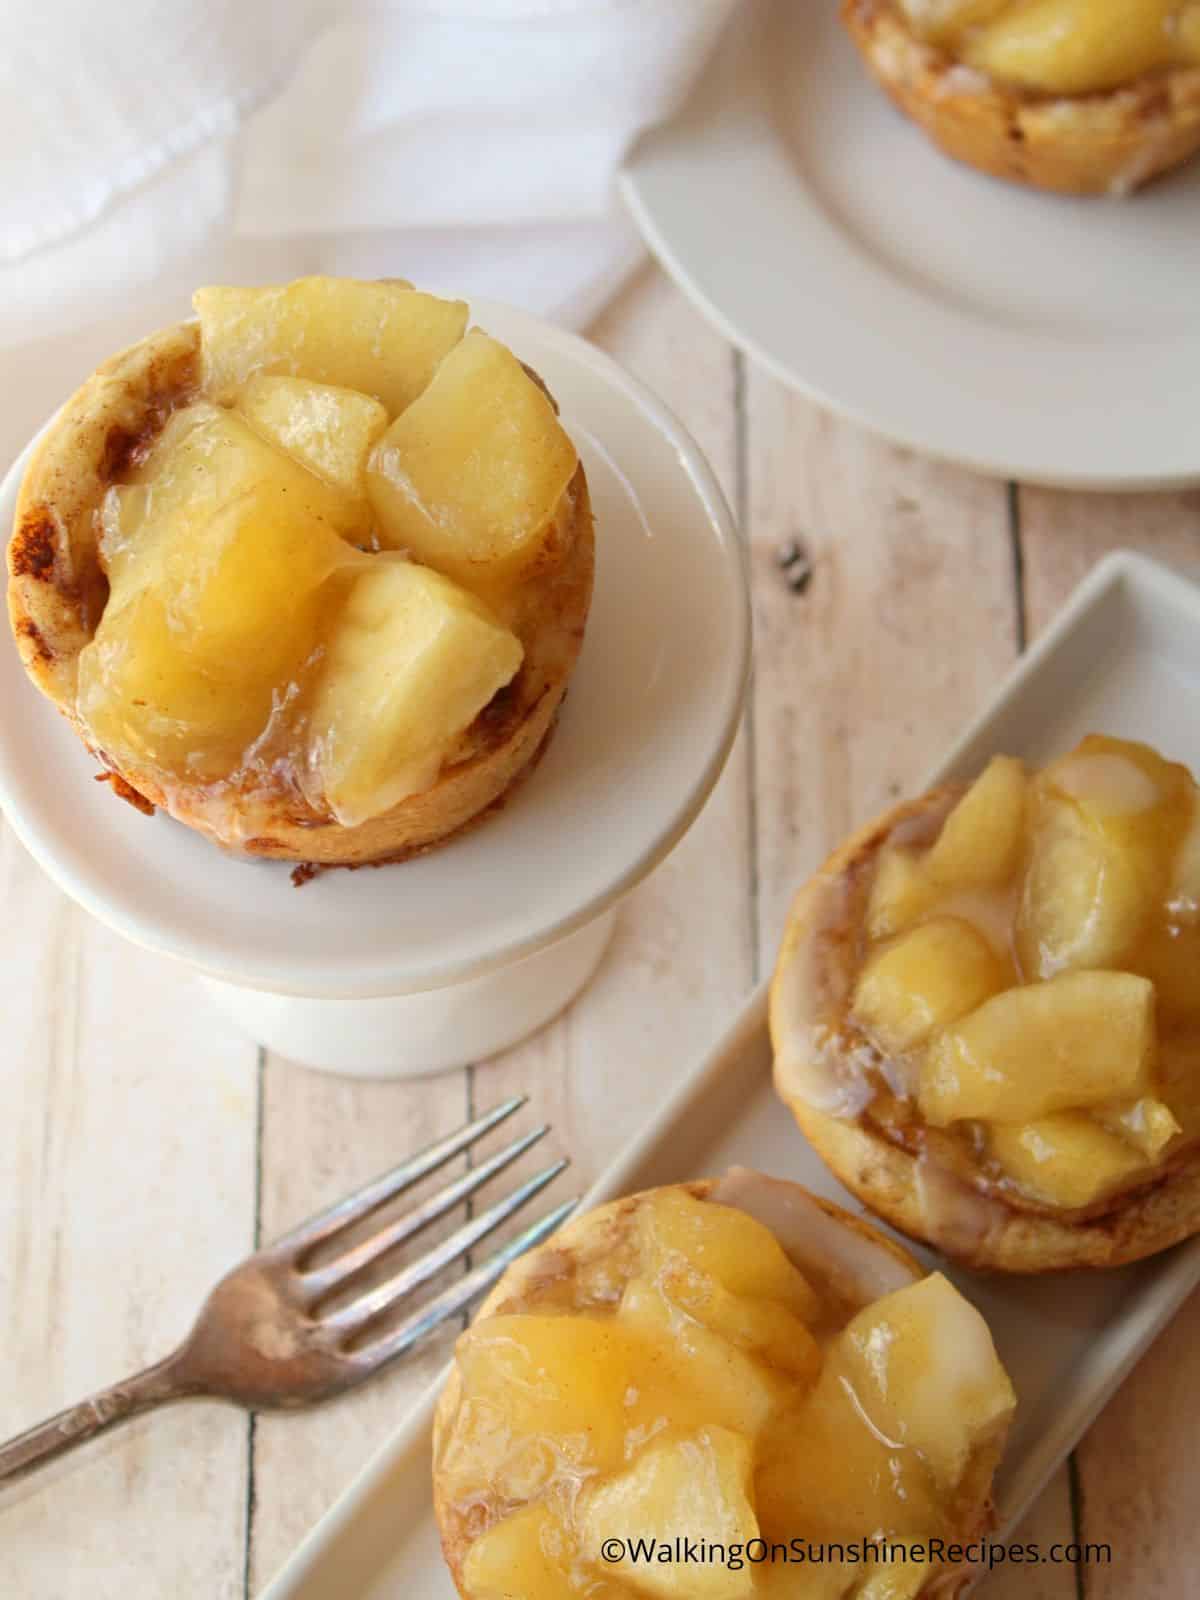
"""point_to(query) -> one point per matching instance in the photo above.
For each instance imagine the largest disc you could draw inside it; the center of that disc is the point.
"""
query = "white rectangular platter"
(1124, 658)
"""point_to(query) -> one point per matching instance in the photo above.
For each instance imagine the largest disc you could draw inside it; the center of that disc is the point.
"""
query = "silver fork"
(267, 1336)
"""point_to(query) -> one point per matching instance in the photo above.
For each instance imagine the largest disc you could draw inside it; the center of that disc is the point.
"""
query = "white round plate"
(1048, 339)
(648, 721)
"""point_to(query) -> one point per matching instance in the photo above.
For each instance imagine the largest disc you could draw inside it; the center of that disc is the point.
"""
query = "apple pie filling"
(316, 569)
(1010, 985)
(676, 1376)
(1061, 47)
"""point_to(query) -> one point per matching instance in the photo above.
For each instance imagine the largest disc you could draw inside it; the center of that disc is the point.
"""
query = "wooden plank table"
(143, 1147)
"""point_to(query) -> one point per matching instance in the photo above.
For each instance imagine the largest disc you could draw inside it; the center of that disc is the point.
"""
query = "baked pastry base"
(1108, 143)
(57, 592)
(976, 1226)
(594, 1234)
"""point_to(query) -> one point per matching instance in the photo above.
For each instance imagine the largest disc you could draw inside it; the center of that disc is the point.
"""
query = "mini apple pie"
(986, 1012)
(734, 1365)
(1079, 96)
(310, 573)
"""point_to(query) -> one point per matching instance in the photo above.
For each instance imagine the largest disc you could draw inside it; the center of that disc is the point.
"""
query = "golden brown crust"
(57, 588)
(586, 1237)
(1107, 143)
(898, 1185)
(57, 591)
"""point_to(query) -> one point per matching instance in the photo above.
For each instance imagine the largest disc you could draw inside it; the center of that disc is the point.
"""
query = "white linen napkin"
(467, 144)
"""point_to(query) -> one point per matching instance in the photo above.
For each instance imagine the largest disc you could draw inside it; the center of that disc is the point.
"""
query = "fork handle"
(58, 1434)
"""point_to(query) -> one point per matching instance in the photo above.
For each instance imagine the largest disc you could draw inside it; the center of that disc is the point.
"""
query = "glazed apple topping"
(1027, 979)
(383, 339)
(693, 1383)
(329, 430)
(412, 659)
(1062, 47)
(308, 568)
(468, 476)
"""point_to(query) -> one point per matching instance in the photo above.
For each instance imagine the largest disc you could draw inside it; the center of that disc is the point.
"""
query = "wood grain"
(680, 961)
(907, 624)
(142, 1147)
(676, 969)
(911, 616)
(1062, 536)
(322, 1137)
(127, 1132)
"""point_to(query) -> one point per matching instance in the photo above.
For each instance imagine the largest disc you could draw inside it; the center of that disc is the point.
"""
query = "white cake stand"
(414, 968)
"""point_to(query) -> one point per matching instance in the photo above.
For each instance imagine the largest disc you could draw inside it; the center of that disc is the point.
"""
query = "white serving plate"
(607, 802)
(1044, 338)
(1124, 657)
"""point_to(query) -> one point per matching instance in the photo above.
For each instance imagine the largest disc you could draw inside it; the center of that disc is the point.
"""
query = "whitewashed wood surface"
(143, 1147)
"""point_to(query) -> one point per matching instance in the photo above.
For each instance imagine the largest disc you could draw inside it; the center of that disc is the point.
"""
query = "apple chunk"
(719, 1382)
(1121, 782)
(542, 1391)
(527, 1554)
(328, 430)
(1064, 1160)
(199, 641)
(1065, 47)
(925, 979)
(382, 338)
(411, 662)
(1084, 902)
(902, 892)
(825, 1470)
(980, 844)
(1148, 1124)
(923, 1367)
(724, 1243)
(469, 477)
(1075, 1041)
(686, 1486)
(763, 1328)
(203, 463)
(1108, 819)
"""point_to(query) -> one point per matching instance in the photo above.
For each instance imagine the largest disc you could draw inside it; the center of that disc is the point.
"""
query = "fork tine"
(319, 1280)
(306, 1235)
(359, 1311)
(397, 1341)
